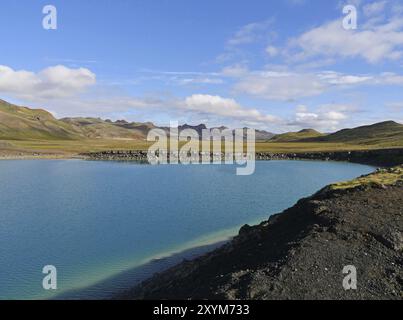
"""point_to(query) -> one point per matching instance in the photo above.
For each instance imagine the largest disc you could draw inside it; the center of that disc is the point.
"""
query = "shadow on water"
(125, 280)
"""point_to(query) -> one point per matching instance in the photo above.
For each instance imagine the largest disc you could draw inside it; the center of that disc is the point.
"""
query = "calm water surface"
(96, 221)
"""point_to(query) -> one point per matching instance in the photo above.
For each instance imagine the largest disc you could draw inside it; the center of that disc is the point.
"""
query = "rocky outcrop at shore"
(379, 157)
(118, 155)
(301, 253)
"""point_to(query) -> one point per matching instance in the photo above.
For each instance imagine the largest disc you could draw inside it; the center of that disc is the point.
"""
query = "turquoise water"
(96, 220)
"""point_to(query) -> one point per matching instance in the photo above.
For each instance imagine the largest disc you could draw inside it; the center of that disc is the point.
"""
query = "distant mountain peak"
(220, 128)
(309, 131)
(121, 122)
(387, 123)
(296, 136)
(200, 126)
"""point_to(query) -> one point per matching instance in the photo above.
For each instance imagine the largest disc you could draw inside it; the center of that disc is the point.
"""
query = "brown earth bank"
(301, 253)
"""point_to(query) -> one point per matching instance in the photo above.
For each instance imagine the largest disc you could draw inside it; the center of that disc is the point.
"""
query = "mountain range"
(22, 123)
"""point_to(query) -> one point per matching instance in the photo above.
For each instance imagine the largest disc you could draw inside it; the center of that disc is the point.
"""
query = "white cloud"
(335, 78)
(326, 118)
(286, 85)
(223, 107)
(373, 42)
(275, 85)
(50, 83)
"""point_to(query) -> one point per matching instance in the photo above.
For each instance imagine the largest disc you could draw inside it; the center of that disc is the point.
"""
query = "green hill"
(389, 132)
(296, 136)
(21, 123)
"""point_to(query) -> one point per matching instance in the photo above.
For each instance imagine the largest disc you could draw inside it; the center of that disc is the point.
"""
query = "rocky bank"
(378, 157)
(301, 252)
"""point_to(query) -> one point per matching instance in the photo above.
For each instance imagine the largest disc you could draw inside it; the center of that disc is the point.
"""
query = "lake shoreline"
(300, 252)
(108, 288)
(376, 157)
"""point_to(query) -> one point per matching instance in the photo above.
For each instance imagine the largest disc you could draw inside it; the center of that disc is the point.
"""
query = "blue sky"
(275, 65)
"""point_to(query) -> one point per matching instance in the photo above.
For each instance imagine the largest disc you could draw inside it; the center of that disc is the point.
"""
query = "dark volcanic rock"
(300, 254)
(380, 157)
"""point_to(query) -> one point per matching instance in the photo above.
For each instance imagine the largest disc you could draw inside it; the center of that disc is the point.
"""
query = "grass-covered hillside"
(388, 132)
(296, 136)
(20, 123)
